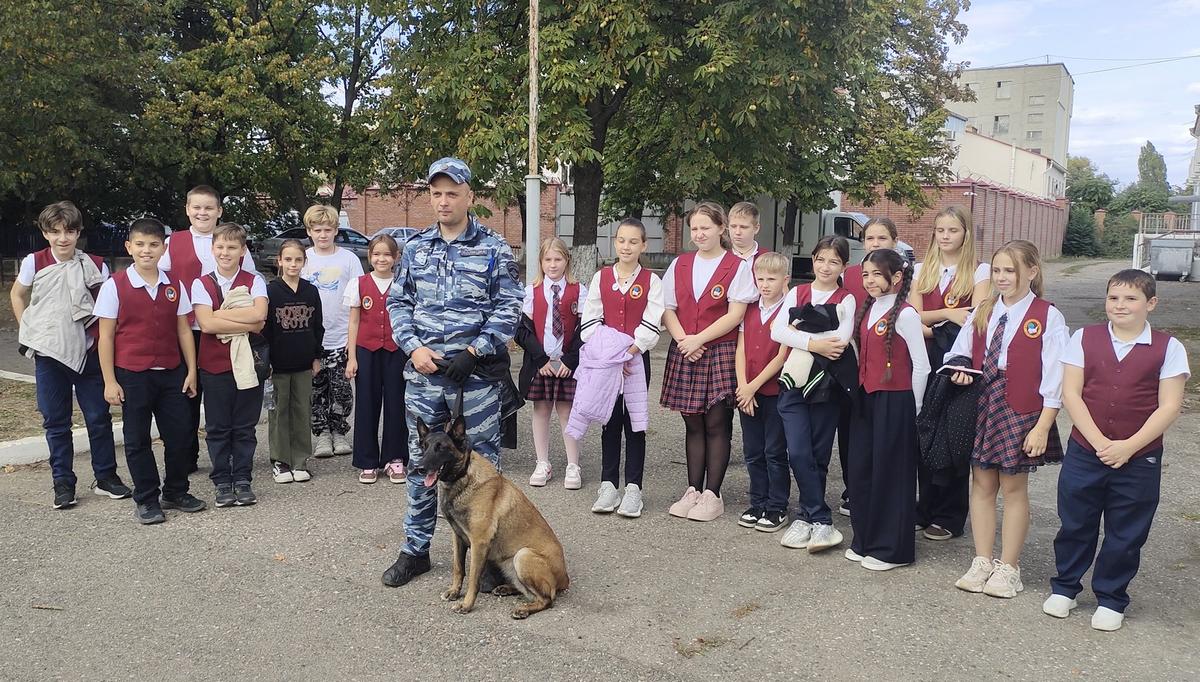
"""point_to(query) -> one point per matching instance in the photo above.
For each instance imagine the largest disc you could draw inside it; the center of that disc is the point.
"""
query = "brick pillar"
(1099, 217)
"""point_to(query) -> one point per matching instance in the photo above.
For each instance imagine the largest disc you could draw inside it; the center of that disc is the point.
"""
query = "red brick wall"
(408, 206)
(998, 215)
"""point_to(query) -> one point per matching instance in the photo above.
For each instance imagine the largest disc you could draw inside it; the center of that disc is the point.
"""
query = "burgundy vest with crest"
(1023, 370)
(147, 328)
(696, 316)
(214, 355)
(568, 308)
(624, 311)
(873, 363)
(1121, 394)
(374, 323)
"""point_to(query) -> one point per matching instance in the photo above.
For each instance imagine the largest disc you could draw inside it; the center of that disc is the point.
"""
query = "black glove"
(461, 367)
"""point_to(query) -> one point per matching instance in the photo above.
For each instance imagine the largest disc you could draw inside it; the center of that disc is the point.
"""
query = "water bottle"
(268, 395)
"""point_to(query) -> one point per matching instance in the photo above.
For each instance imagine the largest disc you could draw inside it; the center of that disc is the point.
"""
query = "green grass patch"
(19, 416)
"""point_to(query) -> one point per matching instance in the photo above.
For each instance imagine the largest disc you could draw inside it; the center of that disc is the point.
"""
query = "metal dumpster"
(1171, 258)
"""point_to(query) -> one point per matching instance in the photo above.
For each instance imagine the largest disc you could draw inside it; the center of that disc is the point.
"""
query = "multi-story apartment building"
(1028, 106)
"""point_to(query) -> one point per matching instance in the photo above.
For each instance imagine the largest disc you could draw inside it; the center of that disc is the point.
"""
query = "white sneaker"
(631, 504)
(573, 477)
(854, 556)
(797, 535)
(607, 499)
(541, 475)
(872, 564)
(1107, 620)
(823, 537)
(301, 475)
(1005, 582)
(323, 444)
(1058, 605)
(281, 472)
(341, 446)
(976, 576)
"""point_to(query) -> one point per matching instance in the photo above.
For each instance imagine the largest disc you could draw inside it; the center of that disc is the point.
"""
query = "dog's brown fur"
(493, 518)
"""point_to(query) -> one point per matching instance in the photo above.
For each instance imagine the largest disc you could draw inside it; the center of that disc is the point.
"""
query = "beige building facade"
(1028, 106)
(1001, 163)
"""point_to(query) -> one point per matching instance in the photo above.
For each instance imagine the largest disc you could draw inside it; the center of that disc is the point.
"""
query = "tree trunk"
(585, 261)
(589, 180)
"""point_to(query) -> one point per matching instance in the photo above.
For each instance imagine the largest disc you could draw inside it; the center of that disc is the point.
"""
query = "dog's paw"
(505, 591)
(520, 614)
(460, 608)
(451, 594)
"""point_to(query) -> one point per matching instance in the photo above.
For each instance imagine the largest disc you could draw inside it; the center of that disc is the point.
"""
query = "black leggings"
(707, 443)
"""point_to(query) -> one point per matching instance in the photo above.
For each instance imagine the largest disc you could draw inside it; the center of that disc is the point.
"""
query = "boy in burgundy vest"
(148, 359)
(1123, 387)
(50, 286)
(230, 414)
(759, 360)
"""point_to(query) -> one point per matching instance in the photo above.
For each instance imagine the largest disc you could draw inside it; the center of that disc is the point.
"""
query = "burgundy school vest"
(374, 323)
(1120, 394)
(759, 348)
(936, 300)
(696, 316)
(214, 355)
(852, 282)
(568, 307)
(804, 295)
(624, 311)
(45, 258)
(185, 264)
(146, 333)
(1024, 368)
(872, 362)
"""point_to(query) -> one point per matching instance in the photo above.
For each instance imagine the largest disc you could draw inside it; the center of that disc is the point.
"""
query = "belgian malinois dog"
(493, 518)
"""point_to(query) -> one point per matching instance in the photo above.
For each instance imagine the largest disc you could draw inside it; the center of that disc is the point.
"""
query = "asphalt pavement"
(290, 589)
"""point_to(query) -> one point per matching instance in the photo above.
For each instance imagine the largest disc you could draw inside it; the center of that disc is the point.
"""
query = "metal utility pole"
(533, 181)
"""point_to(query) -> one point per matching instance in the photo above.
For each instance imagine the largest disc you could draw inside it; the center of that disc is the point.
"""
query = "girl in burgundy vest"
(377, 367)
(628, 298)
(892, 369)
(705, 294)
(878, 233)
(809, 422)
(1017, 339)
(549, 334)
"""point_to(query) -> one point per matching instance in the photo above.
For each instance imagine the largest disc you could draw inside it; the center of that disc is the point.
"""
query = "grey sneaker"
(341, 446)
(797, 535)
(823, 537)
(148, 514)
(323, 445)
(631, 504)
(607, 500)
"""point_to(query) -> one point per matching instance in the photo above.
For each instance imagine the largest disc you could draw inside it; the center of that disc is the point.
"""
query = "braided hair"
(890, 262)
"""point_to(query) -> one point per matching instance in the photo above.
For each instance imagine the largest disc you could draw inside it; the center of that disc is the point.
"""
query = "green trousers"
(290, 423)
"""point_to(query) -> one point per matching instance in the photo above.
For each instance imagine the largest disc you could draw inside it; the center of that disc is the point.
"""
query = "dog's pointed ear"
(422, 431)
(458, 430)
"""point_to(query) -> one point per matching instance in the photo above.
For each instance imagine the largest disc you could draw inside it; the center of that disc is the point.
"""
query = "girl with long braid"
(893, 370)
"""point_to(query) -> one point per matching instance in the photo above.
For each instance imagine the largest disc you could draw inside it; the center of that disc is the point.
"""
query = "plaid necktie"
(556, 314)
(991, 359)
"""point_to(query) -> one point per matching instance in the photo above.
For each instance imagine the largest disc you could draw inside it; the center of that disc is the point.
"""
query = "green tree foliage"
(655, 102)
(1152, 168)
(1080, 236)
(1086, 186)
(1119, 233)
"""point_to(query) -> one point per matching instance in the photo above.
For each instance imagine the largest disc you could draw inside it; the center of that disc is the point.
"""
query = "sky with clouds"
(1116, 110)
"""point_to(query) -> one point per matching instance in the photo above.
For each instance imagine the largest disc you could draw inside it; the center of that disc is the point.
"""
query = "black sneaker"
(844, 508)
(772, 521)
(64, 495)
(750, 517)
(405, 569)
(112, 487)
(244, 495)
(185, 503)
(225, 496)
(147, 514)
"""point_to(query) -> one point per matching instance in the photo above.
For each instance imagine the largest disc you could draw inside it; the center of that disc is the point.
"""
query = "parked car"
(400, 234)
(267, 254)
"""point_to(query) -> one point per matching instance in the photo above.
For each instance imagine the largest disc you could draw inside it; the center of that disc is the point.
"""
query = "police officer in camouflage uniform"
(456, 298)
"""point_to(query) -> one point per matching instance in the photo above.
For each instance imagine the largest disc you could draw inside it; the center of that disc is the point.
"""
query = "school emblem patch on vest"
(636, 291)
(171, 294)
(574, 307)
(950, 299)
(1033, 329)
(718, 292)
(367, 302)
(881, 326)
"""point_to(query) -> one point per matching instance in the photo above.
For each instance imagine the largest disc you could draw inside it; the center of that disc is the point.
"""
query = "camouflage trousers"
(332, 398)
(434, 399)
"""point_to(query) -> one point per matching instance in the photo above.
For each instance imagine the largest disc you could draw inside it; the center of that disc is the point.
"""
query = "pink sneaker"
(367, 476)
(708, 508)
(395, 471)
(685, 503)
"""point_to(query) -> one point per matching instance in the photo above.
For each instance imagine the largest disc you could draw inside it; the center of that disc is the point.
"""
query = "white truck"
(816, 224)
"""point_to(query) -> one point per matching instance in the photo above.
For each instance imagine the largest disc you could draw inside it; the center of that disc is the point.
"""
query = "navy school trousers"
(883, 476)
(809, 428)
(156, 395)
(379, 387)
(635, 442)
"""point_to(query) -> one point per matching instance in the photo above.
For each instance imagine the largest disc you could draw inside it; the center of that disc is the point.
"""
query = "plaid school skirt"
(1000, 432)
(693, 387)
(551, 388)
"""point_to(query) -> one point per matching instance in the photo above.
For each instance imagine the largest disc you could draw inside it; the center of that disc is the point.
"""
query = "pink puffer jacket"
(601, 377)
